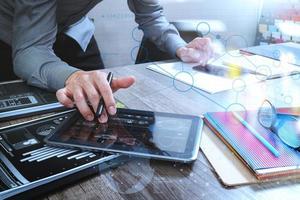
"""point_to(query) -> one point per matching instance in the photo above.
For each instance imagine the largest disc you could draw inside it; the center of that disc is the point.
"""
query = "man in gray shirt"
(38, 32)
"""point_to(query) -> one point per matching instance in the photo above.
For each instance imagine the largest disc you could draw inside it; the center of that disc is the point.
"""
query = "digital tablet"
(29, 167)
(146, 134)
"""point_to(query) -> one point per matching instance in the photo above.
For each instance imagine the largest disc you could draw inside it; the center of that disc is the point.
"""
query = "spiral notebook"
(262, 163)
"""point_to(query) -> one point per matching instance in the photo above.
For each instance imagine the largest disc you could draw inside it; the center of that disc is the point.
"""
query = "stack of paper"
(261, 65)
(209, 82)
(289, 52)
(244, 68)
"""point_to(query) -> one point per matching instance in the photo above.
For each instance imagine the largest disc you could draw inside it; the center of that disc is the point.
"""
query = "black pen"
(101, 105)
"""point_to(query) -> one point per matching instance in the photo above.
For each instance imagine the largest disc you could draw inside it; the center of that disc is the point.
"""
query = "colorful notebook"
(250, 150)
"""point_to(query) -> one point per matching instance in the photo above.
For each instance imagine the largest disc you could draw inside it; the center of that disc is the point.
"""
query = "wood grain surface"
(150, 179)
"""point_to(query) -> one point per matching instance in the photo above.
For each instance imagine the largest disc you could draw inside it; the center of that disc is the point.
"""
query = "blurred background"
(258, 22)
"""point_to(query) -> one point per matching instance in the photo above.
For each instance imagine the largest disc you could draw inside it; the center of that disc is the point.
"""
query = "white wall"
(115, 24)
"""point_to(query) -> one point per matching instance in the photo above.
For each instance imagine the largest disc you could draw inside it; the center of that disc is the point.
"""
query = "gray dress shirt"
(31, 26)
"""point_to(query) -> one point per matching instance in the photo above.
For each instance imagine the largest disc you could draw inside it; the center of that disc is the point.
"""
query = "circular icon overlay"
(276, 54)
(239, 85)
(263, 72)
(130, 177)
(165, 141)
(203, 29)
(137, 34)
(138, 50)
(288, 100)
(183, 81)
(234, 43)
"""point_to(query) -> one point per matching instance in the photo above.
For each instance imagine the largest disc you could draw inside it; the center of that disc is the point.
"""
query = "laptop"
(17, 99)
(29, 167)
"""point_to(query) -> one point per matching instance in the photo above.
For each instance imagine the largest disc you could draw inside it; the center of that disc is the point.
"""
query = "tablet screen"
(169, 135)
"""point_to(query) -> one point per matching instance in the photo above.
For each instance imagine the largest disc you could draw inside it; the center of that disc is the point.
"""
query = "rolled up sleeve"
(34, 33)
(149, 16)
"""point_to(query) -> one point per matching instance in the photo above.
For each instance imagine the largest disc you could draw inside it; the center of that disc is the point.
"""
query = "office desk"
(166, 180)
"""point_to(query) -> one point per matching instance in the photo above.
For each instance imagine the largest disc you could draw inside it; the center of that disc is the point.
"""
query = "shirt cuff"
(173, 43)
(58, 79)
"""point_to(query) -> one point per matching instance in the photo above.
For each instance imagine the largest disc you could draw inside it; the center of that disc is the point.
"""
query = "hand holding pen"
(92, 86)
(101, 104)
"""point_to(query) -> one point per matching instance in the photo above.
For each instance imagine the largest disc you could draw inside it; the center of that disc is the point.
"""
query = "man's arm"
(149, 16)
(34, 32)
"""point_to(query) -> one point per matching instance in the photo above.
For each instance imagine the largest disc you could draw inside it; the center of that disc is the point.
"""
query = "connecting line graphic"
(215, 59)
(197, 91)
(237, 97)
(164, 70)
(228, 44)
(192, 88)
(238, 85)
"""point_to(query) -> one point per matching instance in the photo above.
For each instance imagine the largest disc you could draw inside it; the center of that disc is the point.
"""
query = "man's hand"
(83, 87)
(197, 51)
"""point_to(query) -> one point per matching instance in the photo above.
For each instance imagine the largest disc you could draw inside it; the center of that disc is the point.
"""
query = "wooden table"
(149, 179)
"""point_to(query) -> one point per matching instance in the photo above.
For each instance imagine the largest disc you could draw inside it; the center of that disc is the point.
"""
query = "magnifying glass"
(283, 124)
(267, 115)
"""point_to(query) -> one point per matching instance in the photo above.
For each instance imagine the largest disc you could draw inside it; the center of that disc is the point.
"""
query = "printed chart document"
(213, 80)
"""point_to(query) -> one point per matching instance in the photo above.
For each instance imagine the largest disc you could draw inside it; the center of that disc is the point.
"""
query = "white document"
(262, 65)
(185, 73)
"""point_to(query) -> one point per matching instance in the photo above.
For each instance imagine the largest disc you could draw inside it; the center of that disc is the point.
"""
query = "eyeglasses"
(286, 126)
